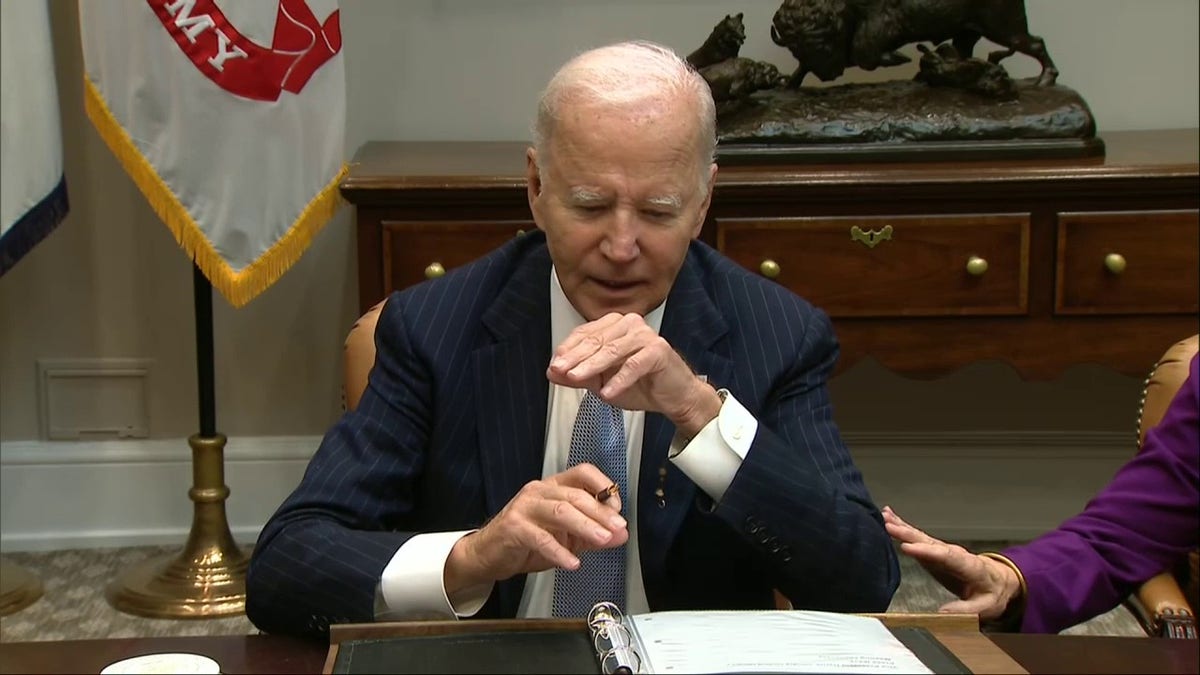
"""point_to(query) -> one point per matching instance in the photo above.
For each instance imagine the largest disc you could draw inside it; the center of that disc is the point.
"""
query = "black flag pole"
(208, 578)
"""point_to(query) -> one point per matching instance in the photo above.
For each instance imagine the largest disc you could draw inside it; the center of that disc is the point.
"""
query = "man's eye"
(590, 209)
(658, 215)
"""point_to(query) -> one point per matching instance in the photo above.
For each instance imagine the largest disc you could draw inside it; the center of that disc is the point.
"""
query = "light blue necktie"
(599, 438)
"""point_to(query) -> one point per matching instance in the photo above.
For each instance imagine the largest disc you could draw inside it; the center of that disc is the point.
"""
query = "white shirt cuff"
(413, 583)
(712, 458)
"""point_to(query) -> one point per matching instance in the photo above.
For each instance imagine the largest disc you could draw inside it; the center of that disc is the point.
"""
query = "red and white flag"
(230, 118)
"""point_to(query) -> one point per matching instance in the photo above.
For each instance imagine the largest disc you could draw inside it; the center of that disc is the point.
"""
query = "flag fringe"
(237, 287)
(37, 224)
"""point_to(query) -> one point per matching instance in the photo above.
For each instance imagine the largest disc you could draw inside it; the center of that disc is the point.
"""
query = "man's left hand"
(628, 365)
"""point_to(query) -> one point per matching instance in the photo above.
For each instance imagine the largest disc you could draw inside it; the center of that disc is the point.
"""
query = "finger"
(955, 561)
(514, 530)
(890, 516)
(903, 533)
(575, 512)
(909, 533)
(546, 545)
(925, 553)
(655, 356)
(609, 356)
(894, 522)
(583, 341)
(985, 605)
(584, 476)
(581, 485)
(589, 478)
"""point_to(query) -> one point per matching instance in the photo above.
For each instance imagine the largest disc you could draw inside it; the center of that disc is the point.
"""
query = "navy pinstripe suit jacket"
(452, 424)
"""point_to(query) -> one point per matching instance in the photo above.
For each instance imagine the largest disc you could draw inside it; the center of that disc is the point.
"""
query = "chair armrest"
(358, 356)
(1160, 607)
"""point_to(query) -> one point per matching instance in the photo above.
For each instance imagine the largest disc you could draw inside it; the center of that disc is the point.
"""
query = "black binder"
(536, 646)
(532, 651)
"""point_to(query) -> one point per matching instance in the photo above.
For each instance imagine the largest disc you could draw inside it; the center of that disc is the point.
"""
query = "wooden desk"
(1042, 264)
(1100, 654)
(274, 654)
(234, 653)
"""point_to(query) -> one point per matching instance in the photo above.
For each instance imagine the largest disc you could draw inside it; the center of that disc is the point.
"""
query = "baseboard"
(957, 485)
(99, 494)
(1010, 485)
(57, 541)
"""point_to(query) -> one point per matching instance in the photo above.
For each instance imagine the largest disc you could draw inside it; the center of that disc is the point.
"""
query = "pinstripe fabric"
(453, 422)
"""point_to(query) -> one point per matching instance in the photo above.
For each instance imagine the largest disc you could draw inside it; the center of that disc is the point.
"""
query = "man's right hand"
(984, 586)
(543, 526)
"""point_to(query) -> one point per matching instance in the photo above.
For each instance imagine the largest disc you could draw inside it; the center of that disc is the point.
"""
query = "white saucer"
(164, 663)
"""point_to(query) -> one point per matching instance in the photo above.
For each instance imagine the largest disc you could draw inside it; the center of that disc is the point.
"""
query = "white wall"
(111, 282)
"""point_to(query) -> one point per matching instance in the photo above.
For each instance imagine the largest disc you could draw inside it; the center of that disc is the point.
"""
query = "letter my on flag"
(230, 118)
(33, 199)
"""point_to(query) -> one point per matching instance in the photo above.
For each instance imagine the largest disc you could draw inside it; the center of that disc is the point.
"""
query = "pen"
(603, 495)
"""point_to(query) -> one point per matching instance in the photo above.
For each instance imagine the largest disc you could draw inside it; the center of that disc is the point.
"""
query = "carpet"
(73, 605)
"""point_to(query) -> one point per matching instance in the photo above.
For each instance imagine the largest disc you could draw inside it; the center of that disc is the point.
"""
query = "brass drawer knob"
(769, 268)
(976, 266)
(434, 270)
(1115, 262)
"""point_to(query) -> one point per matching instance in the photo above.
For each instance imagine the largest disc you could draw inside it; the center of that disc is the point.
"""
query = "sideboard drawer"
(881, 266)
(1136, 262)
(414, 251)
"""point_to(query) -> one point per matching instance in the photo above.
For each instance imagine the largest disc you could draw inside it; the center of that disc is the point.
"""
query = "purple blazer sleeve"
(1141, 523)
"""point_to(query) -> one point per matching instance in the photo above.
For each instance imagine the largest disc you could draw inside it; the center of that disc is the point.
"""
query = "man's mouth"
(615, 285)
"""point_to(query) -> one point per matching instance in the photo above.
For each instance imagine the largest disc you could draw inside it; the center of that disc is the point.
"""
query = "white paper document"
(768, 642)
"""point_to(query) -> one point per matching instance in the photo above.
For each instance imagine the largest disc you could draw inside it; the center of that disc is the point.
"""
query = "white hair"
(627, 73)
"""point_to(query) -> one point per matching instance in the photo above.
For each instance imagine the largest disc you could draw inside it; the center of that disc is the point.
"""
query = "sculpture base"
(18, 588)
(178, 587)
(909, 151)
(904, 121)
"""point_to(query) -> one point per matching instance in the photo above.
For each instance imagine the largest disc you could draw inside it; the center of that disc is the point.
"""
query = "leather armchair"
(358, 356)
(1165, 605)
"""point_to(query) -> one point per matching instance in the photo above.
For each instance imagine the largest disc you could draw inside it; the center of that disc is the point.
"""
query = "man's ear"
(533, 178)
(712, 182)
(533, 185)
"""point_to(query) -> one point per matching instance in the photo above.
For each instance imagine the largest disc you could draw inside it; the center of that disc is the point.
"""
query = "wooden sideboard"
(926, 267)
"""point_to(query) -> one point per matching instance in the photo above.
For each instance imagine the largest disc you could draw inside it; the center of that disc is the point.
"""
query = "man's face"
(619, 198)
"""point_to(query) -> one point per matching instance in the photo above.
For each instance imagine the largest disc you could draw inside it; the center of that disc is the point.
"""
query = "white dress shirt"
(412, 583)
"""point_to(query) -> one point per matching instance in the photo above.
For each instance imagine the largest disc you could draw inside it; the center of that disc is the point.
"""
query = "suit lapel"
(511, 392)
(510, 381)
(696, 328)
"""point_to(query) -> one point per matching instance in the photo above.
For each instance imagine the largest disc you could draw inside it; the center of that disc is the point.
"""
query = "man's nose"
(620, 243)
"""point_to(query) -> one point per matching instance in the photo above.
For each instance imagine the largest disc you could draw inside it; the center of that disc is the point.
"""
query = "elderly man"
(607, 410)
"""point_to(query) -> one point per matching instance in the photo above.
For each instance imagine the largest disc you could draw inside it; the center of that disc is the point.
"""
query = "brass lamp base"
(206, 580)
(18, 588)
(180, 586)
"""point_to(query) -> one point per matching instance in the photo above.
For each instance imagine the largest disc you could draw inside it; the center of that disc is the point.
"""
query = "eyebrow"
(587, 196)
(667, 201)
(582, 195)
